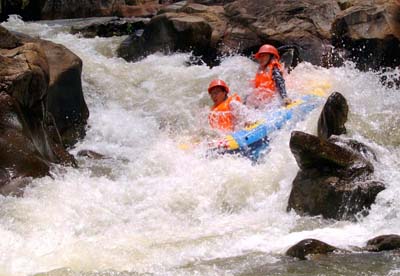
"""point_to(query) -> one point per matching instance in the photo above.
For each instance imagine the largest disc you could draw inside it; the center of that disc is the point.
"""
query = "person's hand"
(287, 101)
(249, 124)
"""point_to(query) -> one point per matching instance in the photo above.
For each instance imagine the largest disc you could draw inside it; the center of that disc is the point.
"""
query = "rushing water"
(152, 208)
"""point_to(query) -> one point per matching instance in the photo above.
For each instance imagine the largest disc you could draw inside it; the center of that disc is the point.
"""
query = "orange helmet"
(216, 83)
(267, 49)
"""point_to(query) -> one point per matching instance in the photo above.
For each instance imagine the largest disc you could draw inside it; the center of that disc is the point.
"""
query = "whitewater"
(151, 208)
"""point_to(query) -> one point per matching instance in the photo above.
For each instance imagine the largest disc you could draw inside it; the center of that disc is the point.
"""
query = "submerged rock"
(309, 246)
(91, 154)
(383, 243)
(334, 181)
(333, 116)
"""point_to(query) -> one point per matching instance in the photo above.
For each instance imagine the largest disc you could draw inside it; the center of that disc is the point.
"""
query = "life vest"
(264, 81)
(221, 117)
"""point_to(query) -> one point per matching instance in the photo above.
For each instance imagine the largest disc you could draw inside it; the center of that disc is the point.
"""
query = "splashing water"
(153, 208)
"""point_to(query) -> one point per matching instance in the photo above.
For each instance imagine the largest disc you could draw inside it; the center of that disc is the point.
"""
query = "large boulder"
(334, 181)
(304, 23)
(309, 247)
(169, 32)
(336, 174)
(27, 143)
(65, 101)
(370, 32)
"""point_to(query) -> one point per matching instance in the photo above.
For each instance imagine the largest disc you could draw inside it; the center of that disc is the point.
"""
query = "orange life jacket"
(221, 117)
(265, 82)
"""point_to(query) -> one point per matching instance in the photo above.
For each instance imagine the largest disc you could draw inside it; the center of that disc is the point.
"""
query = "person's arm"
(280, 84)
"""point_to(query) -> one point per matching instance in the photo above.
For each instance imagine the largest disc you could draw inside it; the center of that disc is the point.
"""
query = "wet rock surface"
(64, 97)
(169, 32)
(384, 243)
(336, 178)
(333, 116)
(369, 32)
(309, 247)
(30, 138)
(333, 181)
(114, 26)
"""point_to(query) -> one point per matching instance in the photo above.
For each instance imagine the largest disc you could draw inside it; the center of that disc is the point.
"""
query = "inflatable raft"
(254, 140)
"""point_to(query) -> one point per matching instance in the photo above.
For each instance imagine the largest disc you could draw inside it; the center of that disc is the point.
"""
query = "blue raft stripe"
(256, 138)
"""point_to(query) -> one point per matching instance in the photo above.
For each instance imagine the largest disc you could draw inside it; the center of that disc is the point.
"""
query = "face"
(263, 59)
(218, 95)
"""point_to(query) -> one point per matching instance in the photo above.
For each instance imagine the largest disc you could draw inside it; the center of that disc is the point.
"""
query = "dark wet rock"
(8, 41)
(355, 146)
(333, 116)
(28, 9)
(370, 33)
(29, 139)
(309, 247)
(112, 27)
(91, 154)
(19, 155)
(384, 243)
(169, 32)
(65, 101)
(313, 152)
(334, 181)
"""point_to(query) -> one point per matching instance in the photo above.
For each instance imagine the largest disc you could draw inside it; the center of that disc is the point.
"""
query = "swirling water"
(152, 208)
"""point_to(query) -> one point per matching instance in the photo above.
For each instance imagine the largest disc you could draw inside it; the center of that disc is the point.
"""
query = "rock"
(383, 243)
(370, 32)
(91, 154)
(169, 32)
(29, 138)
(19, 156)
(306, 24)
(112, 27)
(142, 10)
(65, 100)
(309, 246)
(313, 152)
(57, 9)
(333, 116)
(28, 9)
(333, 181)
(8, 41)
(175, 7)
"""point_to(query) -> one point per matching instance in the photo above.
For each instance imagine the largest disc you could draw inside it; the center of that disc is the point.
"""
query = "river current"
(152, 208)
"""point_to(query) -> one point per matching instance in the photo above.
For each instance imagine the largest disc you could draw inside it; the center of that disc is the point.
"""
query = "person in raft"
(228, 113)
(268, 79)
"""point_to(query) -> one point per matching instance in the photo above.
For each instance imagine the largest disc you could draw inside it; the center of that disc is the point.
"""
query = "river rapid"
(152, 208)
